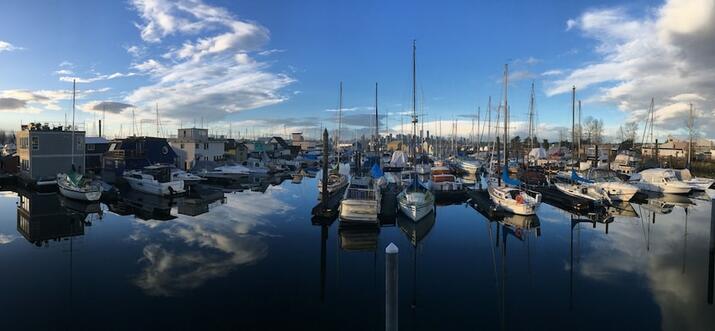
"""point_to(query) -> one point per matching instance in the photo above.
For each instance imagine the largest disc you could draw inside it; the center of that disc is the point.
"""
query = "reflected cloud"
(185, 253)
(6, 238)
(671, 263)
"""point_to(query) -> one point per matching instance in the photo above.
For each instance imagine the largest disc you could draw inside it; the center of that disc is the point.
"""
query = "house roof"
(281, 141)
(95, 140)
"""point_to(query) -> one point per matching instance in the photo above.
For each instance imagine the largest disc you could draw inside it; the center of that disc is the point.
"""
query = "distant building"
(95, 147)
(45, 151)
(235, 150)
(298, 140)
(41, 218)
(194, 144)
(135, 153)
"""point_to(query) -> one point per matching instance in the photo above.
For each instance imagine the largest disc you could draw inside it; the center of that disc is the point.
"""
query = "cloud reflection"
(185, 253)
(6, 238)
(672, 269)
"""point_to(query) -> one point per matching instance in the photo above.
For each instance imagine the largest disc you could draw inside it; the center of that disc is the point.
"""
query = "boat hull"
(415, 211)
(511, 205)
(364, 211)
(80, 195)
(162, 189)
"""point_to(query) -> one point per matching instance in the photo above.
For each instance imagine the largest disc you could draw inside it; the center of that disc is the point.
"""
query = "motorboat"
(75, 186)
(659, 180)
(696, 183)
(625, 163)
(443, 180)
(187, 177)
(416, 201)
(468, 166)
(361, 201)
(255, 166)
(155, 179)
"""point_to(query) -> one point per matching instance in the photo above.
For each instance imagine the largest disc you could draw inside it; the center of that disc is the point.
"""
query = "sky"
(258, 67)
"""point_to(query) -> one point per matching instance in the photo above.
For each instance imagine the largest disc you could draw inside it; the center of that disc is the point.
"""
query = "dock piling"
(711, 255)
(391, 265)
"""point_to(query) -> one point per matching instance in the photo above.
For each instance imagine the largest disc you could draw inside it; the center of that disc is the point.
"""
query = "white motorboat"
(469, 166)
(416, 201)
(75, 186)
(255, 166)
(361, 202)
(154, 179)
(584, 191)
(178, 174)
(696, 183)
(444, 181)
(659, 180)
(625, 163)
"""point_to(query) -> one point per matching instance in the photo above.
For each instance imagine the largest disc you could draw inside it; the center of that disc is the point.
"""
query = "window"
(90, 147)
(182, 146)
(23, 143)
(79, 142)
(25, 164)
(184, 134)
(206, 146)
(197, 146)
(35, 143)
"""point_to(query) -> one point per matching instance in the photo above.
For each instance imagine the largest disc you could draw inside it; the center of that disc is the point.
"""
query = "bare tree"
(630, 131)
(594, 130)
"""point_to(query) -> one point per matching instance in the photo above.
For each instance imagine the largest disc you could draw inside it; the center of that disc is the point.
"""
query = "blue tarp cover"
(376, 172)
(507, 180)
(576, 178)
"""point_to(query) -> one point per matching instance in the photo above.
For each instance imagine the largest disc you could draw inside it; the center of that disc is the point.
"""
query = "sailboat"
(74, 185)
(336, 180)
(578, 186)
(507, 194)
(415, 200)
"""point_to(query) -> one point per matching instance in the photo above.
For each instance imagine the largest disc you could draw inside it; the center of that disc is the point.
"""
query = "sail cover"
(376, 172)
(537, 153)
(508, 180)
(576, 178)
(398, 159)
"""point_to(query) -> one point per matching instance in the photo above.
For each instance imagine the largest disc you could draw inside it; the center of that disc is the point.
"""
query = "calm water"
(258, 262)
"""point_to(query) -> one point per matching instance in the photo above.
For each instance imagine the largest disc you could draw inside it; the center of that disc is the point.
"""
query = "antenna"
(74, 85)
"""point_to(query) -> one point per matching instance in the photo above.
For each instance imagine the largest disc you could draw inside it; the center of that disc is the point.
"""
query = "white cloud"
(210, 76)
(97, 77)
(554, 72)
(27, 101)
(8, 47)
(63, 72)
(667, 53)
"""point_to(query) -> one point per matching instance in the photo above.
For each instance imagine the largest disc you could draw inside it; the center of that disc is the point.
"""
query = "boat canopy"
(508, 180)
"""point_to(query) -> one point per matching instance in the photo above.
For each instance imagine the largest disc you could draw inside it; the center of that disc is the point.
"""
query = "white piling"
(391, 265)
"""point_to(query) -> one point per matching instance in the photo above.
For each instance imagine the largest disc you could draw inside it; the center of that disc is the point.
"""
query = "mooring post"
(711, 255)
(391, 287)
(326, 150)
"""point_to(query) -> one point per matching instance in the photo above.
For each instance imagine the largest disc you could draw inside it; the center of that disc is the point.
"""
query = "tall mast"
(573, 118)
(479, 133)
(531, 117)
(74, 86)
(340, 119)
(690, 132)
(580, 130)
(652, 111)
(489, 118)
(506, 111)
(414, 99)
(157, 119)
(377, 122)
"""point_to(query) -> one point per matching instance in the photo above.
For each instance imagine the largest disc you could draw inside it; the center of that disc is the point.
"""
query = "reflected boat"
(358, 238)
(416, 231)
(143, 206)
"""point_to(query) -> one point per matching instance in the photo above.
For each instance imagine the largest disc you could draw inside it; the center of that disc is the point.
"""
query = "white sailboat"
(336, 180)
(415, 200)
(577, 186)
(73, 185)
(507, 195)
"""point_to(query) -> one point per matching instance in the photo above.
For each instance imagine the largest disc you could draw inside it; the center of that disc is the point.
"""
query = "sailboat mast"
(414, 99)
(157, 119)
(506, 110)
(74, 88)
(690, 133)
(531, 117)
(340, 119)
(573, 118)
(377, 122)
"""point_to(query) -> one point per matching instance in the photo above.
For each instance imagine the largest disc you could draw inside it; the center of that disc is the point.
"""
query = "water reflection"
(41, 218)
(188, 251)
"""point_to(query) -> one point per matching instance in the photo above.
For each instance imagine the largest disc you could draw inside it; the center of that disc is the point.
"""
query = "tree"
(545, 143)
(630, 131)
(594, 130)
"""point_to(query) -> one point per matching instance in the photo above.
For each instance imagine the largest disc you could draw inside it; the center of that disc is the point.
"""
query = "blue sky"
(263, 64)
